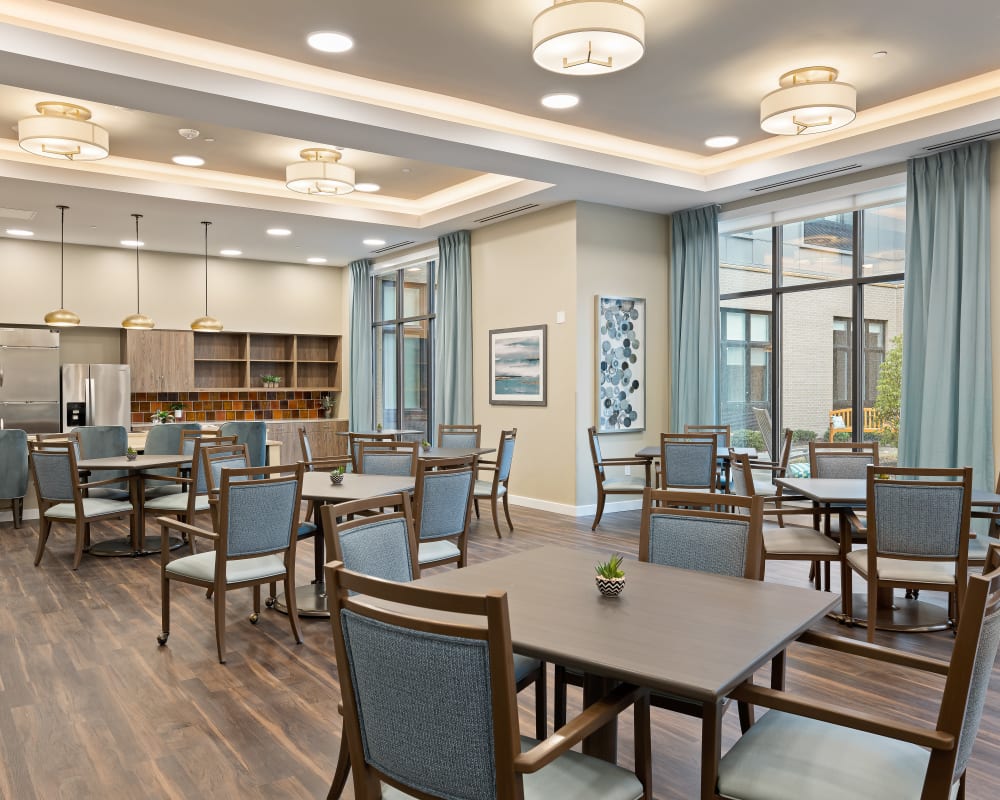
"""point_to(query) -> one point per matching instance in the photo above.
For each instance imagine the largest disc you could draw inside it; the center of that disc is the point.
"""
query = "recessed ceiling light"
(721, 141)
(188, 161)
(406, 170)
(132, 243)
(366, 187)
(374, 242)
(19, 232)
(560, 100)
(414, 269)
(330, 41)
(278, 232)
(230, 252)
(316, 260)
(209, 139)
(880, 54)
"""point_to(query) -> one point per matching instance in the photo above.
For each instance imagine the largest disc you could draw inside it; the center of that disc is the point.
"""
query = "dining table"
(653, 451)
(434, 453)
(684, 633)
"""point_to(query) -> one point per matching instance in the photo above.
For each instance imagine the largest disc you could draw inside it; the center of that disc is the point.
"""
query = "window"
(403, 346)
(874, 355)
(746, 370)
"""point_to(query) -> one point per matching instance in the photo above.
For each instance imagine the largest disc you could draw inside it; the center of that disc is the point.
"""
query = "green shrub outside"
(748, 438)
(802, 435)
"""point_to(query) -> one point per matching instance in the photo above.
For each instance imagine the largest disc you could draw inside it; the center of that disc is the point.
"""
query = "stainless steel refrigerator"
(29, 379)
(96, 394)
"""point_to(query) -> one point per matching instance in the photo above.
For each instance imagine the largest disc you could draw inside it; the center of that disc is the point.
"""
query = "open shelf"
(236, 361)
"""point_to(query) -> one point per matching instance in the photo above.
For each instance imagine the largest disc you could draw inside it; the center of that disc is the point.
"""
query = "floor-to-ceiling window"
(403, 332)
(811, 314)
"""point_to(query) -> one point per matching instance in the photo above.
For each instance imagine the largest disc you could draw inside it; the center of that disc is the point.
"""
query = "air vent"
(965, 140)
(17, 213)
(390, 247)
(813, 176)
(508, 213)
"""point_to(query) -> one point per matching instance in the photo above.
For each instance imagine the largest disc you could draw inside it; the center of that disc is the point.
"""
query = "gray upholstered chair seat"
(764, 487)
(572, 776)
(799, 540)
(629, 483)
(176, 503)
(306, 529)
(107, 493)
(897, 569)
(785, 757)
(92, 507)
(201, 566)
(160, 489)
(428, 552)
(485, 489)
(524, 666)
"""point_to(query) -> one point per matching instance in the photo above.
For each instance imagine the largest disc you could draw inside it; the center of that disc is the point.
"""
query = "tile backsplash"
(208, 406)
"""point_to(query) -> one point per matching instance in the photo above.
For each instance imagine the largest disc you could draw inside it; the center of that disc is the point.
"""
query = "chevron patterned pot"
(610, 587)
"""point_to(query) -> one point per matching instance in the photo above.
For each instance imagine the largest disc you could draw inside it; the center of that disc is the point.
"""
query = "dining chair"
(60, 496)
(442, 510)
(979, 544)
(687, 462)
(396, 663)
(809, 747)
(459, 436)
(917, 535)
(387, 458)
(165, 440)
(14, 470)
(498, 488)
(254, 544)
(253, 434)
(354, 441)
(723, 441)
(620, 485)
(839, 460)
(104, 441)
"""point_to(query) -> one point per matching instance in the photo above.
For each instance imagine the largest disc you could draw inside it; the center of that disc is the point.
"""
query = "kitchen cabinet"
(322, 433)
(160, 361)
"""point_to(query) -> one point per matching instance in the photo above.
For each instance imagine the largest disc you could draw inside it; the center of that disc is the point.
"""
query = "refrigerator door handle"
(88, 398)
(1, 374)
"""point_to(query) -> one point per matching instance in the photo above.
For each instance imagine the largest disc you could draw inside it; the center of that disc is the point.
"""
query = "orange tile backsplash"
(221, 406)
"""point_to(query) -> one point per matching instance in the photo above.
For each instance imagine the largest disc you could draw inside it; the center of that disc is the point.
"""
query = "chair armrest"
(593, 717)
(328, 462)
(168, 479)
(874, 651)
(167, 523)
(622, 462)
(858, 720)
(105, 482)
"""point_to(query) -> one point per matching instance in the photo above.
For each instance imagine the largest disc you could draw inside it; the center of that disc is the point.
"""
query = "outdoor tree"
(890, 379)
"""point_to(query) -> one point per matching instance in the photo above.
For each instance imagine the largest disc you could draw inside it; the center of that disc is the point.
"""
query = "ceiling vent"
(17, 213)
(965, 140)
(508, 213)
(792, 181)
(390, 247)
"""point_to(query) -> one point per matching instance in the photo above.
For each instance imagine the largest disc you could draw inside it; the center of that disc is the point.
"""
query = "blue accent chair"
(14, 470)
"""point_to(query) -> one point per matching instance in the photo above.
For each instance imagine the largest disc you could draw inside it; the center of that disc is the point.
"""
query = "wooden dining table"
(684, 633)
(432, 453)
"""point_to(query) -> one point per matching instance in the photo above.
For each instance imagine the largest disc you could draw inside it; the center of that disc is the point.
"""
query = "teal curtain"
(947, 393)
(453, 331)
(694, 317)
(362, 413)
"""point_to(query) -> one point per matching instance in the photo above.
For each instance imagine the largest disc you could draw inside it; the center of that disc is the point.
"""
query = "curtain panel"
(362, 394)
(453, 331)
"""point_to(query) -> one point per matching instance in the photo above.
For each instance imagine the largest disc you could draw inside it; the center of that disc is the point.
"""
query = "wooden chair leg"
(164, 610)
(496, 521)
(293, 610)
(872, 606)
(643, 747)
(219, 601)
(17, 511)
(506, 510)
(600, 508)
(559, 698)
(826, 574)
(745, 712)
(342, 771)
(475, 504)
(81, 541)
(541, 703)
(44, 528)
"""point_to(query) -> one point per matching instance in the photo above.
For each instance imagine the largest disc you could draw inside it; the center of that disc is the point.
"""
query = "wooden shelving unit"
(233, 361)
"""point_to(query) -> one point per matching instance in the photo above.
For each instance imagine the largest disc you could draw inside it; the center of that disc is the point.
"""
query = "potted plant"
(178, 411)
(337, 475)
(162, 416)
(131, 454)
(425, 445)
(270, 381)
(610, 577)
(326, 406)
(378, 428)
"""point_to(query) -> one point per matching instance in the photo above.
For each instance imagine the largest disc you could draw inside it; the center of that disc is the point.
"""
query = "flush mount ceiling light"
(61, 318)
(810, 100)
(319, 173)
(63, 130)
(588, 37)
(206, 324)
(138, 320)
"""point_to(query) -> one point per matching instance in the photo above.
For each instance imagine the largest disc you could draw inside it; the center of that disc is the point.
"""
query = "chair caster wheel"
(254, 617)
(270, 601)
(162, 639)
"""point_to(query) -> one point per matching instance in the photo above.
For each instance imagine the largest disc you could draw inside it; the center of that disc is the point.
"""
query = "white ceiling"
(448, 90)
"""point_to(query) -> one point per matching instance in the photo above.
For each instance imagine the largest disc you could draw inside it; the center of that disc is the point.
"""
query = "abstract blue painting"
(517, 366)
(621, 364)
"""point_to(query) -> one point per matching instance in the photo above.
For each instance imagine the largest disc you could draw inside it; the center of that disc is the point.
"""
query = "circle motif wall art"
(621, 364)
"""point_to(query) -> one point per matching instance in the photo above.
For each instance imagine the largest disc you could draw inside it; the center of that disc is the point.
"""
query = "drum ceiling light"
(810, 100)
(319, 172)
(588, 37)
(63, 130)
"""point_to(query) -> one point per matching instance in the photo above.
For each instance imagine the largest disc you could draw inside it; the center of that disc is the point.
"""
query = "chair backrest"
(355, 440)
(442, 499)
(53, 468)
(841, 459)
(217, 457)
(451, 689)
(763, 419)
(191, 444)
(916, 513)
(688, 460)
(251, 433)
(166, 440)
(69, 436)
(103, 441)
(13, 463)
(307, 453)
(380, 543)
(459, 435)
(595, 453)
(742, 474)
(720, 542)
(505, 455)
(258, 512)
(721, 433)
(786, 449)
(387, 458)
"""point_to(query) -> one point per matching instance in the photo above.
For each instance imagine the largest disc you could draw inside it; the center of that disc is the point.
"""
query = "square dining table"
(684, 633)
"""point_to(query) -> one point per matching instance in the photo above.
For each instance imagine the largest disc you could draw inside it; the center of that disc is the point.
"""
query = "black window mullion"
(857, 340)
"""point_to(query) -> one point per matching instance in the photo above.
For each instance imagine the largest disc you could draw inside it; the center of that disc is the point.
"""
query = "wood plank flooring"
(90, 706)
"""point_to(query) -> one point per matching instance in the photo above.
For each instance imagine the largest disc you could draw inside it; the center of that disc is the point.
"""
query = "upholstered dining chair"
(104, 441)
(723, 441)
(396, 747)
(251, 433)
(459, 436)
(620, 484)
(687, 461)
(61, 499)
(354, 441)
(165, 440)
(387, 458)
(254, 544)
(806, 747)
(918, 535)
(498, 488)
(14, 470)
(764, 484)
(442, 510)
(979, 544)
(839, 460)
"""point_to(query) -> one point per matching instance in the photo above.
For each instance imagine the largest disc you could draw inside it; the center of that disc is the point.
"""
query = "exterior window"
(874, 352)
(746, 359)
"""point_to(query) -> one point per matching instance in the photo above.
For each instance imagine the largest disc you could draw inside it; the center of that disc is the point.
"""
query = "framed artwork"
(621, 364)
(518, 366)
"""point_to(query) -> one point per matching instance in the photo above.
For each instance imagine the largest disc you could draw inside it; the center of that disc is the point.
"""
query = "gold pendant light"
(62, 318)
(138, 320)
(206, 324)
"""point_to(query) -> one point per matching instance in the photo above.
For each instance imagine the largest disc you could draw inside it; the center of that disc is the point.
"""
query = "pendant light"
(206, 324)
(62, 318)
(138, 320)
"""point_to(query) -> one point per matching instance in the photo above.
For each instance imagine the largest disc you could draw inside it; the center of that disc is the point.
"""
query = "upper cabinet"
(160, 361)
(231, 360)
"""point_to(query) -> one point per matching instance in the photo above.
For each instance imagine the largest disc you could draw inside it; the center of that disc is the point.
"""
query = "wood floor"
(91, 707)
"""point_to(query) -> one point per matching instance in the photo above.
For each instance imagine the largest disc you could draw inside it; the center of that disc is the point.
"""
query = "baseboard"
(567, 510)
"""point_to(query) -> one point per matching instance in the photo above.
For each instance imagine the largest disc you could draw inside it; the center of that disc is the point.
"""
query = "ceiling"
(449, 92)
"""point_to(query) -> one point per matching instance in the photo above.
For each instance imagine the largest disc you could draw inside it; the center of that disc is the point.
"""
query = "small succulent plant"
(379, 427)
(337, 471)
(272, 380)
(425, 444)
(610, 569)
(163, 415)
(131, 452)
